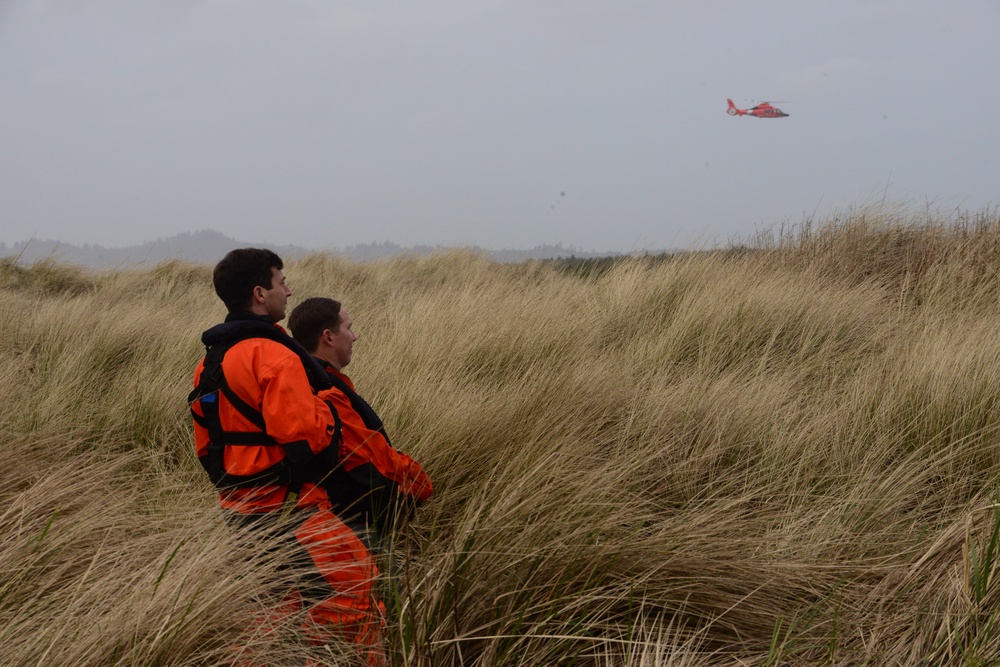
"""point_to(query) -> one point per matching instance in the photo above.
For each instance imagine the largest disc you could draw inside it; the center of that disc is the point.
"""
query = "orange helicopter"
(762, 110)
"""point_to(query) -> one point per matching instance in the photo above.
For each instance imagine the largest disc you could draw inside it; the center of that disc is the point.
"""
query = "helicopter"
(762, 110)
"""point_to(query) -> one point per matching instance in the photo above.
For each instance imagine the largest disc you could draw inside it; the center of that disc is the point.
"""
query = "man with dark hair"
(375, 482)
(267, 441)
(240, 271)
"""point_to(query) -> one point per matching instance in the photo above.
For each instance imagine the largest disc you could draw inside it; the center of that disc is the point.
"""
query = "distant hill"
(206, 247)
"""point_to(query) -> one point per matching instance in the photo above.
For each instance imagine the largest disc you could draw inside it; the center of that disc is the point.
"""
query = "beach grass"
(779, 453)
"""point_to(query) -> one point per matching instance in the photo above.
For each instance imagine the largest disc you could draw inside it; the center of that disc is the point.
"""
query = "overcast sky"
(499, 123)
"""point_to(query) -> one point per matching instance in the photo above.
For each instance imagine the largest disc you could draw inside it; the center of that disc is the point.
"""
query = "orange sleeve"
(270, 378)
(292, 412)
(362, 445)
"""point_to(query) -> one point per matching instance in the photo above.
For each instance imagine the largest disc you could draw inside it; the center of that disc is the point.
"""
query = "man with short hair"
(375, 483)
(267, 442)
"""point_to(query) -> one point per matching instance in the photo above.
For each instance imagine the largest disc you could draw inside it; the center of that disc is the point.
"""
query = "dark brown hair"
(311, 317)
(240, 271)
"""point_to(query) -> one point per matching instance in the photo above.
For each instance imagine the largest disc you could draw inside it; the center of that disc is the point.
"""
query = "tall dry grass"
(778, 454)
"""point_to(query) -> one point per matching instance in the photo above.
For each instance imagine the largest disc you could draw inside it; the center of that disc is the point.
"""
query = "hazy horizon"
(208, 246)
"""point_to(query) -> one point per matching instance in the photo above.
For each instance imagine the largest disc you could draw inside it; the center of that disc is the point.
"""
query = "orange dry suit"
(266, 441)
(377, 482)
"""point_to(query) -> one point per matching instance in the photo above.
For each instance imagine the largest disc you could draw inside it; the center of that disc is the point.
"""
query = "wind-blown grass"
(782, 454)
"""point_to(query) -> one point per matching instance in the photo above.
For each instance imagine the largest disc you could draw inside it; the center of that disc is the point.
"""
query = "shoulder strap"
(360, 405)
(211, 383)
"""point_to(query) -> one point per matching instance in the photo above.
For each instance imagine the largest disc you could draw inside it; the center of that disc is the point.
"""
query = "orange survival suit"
(378, 482)
(269, 443)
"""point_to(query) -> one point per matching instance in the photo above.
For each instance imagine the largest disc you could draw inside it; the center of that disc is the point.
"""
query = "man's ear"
(327, 336)
(258, 294)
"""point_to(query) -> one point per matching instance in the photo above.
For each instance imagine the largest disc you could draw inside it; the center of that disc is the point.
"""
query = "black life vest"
(360, 405)
(299, 464)
(364, 495)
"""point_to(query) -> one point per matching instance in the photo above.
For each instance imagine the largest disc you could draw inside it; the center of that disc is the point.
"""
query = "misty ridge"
(207, 247)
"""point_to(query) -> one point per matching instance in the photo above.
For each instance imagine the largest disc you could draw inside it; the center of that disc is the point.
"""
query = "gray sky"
(500, 123)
